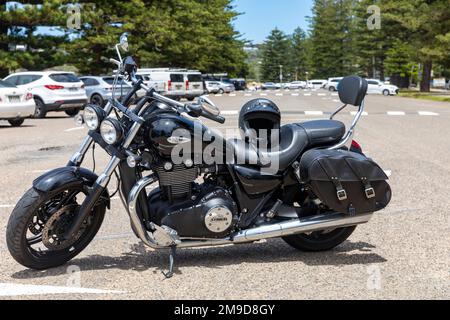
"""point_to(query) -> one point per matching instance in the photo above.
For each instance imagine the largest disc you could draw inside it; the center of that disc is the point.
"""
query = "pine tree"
(275, 56)
(299, 54)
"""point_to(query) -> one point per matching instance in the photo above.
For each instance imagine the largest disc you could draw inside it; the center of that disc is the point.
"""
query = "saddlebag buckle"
(342, 195)
(370, 193)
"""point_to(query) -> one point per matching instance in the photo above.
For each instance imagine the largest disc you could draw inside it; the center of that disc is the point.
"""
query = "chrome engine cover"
(219, 219)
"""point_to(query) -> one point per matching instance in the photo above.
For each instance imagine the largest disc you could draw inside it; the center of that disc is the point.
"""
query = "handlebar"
(181, 107)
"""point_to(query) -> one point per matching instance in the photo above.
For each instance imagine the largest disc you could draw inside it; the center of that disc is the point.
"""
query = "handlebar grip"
(209, 116)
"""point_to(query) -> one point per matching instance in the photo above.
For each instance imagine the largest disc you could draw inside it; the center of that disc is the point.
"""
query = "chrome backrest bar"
(350, 133)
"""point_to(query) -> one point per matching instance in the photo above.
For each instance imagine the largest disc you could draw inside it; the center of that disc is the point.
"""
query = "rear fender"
(68, 177)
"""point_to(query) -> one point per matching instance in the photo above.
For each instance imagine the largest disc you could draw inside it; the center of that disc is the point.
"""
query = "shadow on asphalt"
(276, 251)
(5, 126)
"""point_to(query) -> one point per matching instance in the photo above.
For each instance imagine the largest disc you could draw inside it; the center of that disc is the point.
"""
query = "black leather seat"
(294, 140)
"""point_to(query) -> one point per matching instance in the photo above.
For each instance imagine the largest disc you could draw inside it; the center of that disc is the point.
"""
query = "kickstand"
(170, 273)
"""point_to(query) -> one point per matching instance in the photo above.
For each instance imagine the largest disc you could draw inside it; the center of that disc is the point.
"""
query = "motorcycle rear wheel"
(320, 241)
(27, 228)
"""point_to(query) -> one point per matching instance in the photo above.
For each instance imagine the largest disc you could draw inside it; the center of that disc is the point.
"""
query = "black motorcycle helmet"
(257, 115)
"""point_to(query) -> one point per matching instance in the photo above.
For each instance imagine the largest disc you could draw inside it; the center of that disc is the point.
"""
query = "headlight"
(93, 116)
(111, 131)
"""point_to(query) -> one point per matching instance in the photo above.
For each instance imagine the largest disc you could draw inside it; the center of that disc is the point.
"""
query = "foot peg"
(170, 273)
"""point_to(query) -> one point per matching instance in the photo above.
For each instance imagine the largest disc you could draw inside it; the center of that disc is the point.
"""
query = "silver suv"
(99, 89)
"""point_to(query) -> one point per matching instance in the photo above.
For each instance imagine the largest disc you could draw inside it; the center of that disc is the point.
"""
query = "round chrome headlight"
(111, 131)
(93, 116)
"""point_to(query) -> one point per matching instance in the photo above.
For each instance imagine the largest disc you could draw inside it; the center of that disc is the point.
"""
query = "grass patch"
(425, 96)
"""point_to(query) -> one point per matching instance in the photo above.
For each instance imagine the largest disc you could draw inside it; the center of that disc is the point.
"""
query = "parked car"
(296, 85)
(378, 87)
(316, 84)
(239, 84)
(16, 104)
(270, 86)
(332, 84)
(212, 86)
(52, 91)
(226, 87)
(100, 89)
(171, 82)
(194, 85)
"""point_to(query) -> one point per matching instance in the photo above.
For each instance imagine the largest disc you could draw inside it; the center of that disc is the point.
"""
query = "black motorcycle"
(307, 183)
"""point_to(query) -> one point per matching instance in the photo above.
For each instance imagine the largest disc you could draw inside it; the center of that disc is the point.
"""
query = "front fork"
(102, 181)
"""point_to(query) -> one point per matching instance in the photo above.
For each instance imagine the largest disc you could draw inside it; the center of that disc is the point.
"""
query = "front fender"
(69, 177)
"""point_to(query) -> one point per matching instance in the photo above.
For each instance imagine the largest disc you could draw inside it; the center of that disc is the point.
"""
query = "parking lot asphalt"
(403, 253)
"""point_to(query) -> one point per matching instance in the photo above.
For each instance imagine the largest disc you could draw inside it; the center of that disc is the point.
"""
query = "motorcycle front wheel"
(321, 240)
(35, 228)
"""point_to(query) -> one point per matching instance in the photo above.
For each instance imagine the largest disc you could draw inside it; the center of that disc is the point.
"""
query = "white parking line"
(307, 94)
(247, 95)
(336, 100)
(388, 173)
(74, 129)
(396, 113)
(428, 113)
(321, 94)
(219, 95)
(263, 94)
(11, 289)
(232, 95)
(314, 113)
(335, 94)
(353, 113)
(295, 94)
(5, 206)
(230, 113)
(279, 94)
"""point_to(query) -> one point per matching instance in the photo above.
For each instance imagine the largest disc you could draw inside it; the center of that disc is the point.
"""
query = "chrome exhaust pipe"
(268, 231)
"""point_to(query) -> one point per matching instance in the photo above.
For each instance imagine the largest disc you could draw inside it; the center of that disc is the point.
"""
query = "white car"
(15, 104)
(316, 84)
(52, 91)
(194, 85)
(296, 85)
(212, 86)
(378, 87)
(332, 84)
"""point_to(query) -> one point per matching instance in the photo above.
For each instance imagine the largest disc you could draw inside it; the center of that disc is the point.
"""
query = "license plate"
(73, 89)
(14, 98)
(196, 86)
(178, 87)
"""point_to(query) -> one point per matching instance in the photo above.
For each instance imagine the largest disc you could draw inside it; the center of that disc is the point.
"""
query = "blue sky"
(261, 16)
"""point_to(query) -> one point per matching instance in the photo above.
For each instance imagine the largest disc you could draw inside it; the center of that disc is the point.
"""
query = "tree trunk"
(426, 77)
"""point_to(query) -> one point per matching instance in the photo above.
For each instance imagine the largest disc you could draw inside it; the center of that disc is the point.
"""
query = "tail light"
(356, 147)
(29, 96)
(187, 84)
(53, 87)
(169, 85)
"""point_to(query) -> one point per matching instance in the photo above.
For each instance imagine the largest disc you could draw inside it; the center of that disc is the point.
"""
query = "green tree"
(427, 24)
(275, 53)
(299, 54)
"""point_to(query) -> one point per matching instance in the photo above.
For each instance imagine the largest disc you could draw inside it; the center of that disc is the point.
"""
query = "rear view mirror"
(209, 106)
(124, 42)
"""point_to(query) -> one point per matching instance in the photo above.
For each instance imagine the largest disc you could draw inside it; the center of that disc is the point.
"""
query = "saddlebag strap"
(369, 190)
(331, 173)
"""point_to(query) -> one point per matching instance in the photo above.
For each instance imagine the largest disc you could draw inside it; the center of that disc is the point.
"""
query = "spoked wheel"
(36, 227)
(320, 240)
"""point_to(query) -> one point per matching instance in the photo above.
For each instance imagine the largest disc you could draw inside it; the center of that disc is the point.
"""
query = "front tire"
(16, 122)
(319, 241)
(29, 217)
(386, 93)
(72, 112)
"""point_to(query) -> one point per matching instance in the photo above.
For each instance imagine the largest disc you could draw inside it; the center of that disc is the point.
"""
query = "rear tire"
(40, 111)
(16, 122)
(97, 100)
(22, 219)
(319, 241)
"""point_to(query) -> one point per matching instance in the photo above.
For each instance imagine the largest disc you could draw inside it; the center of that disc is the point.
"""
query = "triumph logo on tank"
(259, 148)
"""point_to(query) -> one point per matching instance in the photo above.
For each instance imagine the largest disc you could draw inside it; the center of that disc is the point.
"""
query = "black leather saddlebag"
(345, 181)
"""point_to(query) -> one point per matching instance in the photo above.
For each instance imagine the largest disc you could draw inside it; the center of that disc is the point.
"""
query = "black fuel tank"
(167, 131)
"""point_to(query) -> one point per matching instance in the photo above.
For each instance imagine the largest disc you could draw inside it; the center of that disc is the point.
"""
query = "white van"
(194, 84)
(316, 84)
(171, 82)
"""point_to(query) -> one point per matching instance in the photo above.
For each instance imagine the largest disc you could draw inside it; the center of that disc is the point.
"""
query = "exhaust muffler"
(268, 231)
